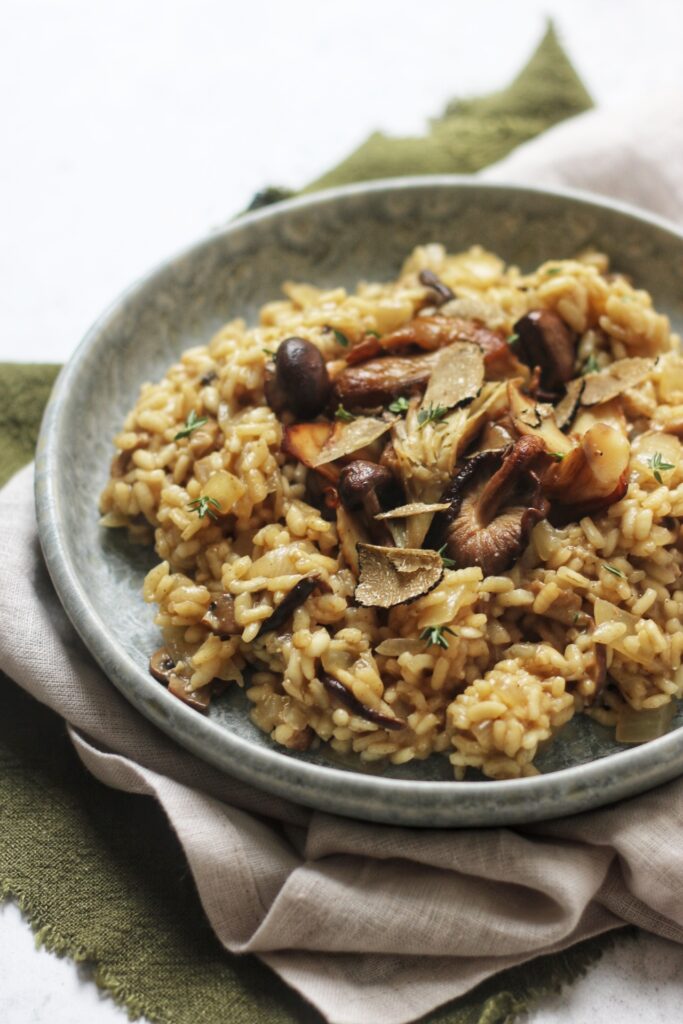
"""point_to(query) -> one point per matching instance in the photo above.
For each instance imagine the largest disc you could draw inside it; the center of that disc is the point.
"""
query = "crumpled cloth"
(372, 923)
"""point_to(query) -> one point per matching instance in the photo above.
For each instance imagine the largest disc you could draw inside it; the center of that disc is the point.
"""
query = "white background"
(128, 129)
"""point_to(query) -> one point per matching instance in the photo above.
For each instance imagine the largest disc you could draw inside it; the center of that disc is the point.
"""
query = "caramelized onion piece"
(495, 502)
(391, 576)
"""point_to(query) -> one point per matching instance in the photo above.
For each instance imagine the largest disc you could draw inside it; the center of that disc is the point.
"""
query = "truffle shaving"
(457, 377)
(617, 378)
(350, 437)
(391, 576)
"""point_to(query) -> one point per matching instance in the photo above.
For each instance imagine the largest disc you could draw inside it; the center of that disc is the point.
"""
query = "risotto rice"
(522, 433)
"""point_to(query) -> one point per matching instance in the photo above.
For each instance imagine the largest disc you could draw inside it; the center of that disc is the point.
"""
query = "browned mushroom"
(220, 617)
(298, 380)
(362, 485)
(378, 381)
(162, 666)
(545, 340)
(340, 692)
(438, 293)
(299, 593)
(495, 501)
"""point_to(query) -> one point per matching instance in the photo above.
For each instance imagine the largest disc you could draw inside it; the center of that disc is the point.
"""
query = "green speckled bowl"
(335, 237)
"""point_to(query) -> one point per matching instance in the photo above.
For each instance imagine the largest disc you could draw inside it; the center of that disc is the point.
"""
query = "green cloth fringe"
(98, 874)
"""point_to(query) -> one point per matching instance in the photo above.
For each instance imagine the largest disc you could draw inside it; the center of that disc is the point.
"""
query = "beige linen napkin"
(372, 924)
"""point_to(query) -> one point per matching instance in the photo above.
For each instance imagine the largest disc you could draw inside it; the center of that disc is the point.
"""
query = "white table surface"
(129, 129)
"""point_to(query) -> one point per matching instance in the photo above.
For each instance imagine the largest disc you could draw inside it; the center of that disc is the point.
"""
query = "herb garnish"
(269, 352)
(191, 423)
(558, 456)
(399, 405)
(343, 414)
(434, 635)
(203, 506)
(613, 569)
(341, 338)
(658, 466)
(373, 334)
(448, 563)
(433, 414)
(554, 270)
(590, 366)
(513, 339)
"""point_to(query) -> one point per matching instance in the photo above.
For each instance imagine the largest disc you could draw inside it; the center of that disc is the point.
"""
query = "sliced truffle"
(566, 408)
(456, 378)
(545, 340)
(347, 438)
(299, 593)
(495, 501)
(391, 576)
(342, 694)
(617, 378)
(220, 617)
(415, 508)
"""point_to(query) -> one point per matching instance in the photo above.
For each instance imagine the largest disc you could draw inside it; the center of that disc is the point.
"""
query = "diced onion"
(640, 726)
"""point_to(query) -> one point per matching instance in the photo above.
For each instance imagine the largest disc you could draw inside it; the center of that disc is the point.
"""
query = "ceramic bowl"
(331, 238)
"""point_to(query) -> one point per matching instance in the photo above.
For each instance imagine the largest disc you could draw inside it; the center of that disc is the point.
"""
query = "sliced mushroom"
(457, 377)
(617, 378)
(298, 379)
(299, 593)
(161, 665)
(377, 382)
(545, 340)
(495, 501)
(536, 420)
(391, 576)
(341, 693)
(438, 293)
(220, 617)
(305, 441)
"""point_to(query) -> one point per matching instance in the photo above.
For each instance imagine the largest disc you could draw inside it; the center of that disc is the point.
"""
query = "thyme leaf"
(191, 423)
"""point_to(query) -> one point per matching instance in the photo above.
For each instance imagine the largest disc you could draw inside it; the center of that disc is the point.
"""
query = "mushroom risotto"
(439, 515)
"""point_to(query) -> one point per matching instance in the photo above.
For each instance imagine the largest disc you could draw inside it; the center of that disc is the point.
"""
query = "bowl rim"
(335, 790)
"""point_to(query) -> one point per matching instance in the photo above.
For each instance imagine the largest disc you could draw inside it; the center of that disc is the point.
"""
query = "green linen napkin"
(98, 873)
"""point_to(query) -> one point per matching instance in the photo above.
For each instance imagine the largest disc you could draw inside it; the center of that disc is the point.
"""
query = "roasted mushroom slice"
(378, 381)
(344, 696)
(299, 593)
(391, 576)
(162, 665)
(298, 379)
(495, 501)
(220, 617)
(438, 292)
(592, 476)
(545, 340)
